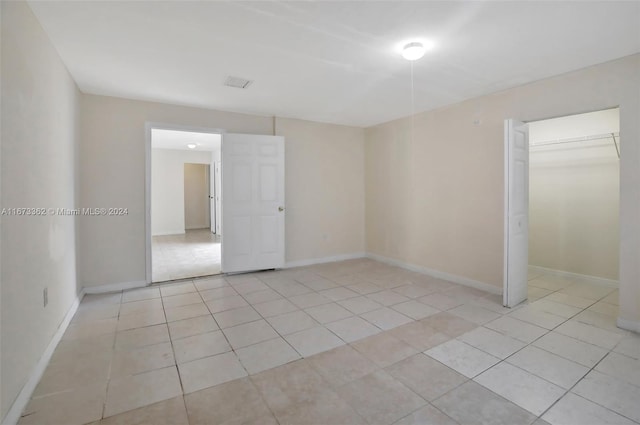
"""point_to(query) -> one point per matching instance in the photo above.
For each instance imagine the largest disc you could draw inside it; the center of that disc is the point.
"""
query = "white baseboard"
(15, 411)
(312, 261)
(438, 274)
(583, 277)
(628, 325)
(170, 233)
(114, 287)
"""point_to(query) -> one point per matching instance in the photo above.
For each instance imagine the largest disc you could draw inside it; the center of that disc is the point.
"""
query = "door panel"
(268, 235)
(212, 196)
(242, 178)
(253, 207)
(516, 228)
(268, 183)
(240, 244)
(218, 198)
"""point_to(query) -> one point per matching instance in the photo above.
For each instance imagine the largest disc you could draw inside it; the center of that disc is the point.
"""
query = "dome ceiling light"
(413, 51)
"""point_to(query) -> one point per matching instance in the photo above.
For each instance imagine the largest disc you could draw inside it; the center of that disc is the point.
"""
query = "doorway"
(572, 208)
(574, 201)
(247, 204)
(185, 242)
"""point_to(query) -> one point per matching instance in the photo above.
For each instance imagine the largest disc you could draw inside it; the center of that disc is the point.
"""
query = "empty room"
(320, 212)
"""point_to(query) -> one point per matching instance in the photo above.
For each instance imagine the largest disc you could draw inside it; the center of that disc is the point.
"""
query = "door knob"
(280, 209)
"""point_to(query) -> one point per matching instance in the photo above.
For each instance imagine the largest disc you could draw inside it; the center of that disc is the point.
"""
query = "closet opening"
(574, 203)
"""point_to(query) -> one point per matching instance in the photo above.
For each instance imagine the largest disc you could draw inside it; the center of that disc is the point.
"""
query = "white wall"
(324, 189)
(40, 119)
(196, 196)
(167, 188)
(574, 196)
(437, 201)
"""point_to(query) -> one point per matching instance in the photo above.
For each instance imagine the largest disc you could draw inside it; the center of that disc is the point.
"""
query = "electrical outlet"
(45, 296)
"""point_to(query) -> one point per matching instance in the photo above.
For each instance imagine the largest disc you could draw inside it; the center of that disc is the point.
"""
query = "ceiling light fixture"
(413, 51)
(192, 145)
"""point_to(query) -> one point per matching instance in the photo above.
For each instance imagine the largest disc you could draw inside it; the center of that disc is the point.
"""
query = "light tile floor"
(193, 254)
(355, 342)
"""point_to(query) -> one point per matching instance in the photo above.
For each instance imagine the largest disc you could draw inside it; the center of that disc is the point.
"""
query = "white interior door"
(212, 197)
(516, 227)
(218, 198)
(253, 207)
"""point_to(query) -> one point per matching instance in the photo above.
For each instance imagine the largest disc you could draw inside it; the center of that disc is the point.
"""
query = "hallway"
(194, 254)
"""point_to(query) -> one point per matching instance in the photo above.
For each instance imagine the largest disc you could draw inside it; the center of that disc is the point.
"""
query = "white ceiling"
(173, 139)
(329, 61)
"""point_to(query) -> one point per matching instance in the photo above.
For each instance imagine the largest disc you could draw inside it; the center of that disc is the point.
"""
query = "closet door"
(516, 217)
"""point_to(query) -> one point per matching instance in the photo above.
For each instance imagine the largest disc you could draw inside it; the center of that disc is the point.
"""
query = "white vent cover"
(241, 83)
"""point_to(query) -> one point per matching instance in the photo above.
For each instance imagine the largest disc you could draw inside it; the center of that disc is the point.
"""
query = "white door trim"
(150, 125)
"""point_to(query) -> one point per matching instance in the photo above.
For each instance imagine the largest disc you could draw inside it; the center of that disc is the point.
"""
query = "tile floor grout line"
(576, 384)
(286, 342)
(531, 343)
(231, 346)
(253, 385)
(113, 351)
(173, 349)
(275, 330)
(432, 405)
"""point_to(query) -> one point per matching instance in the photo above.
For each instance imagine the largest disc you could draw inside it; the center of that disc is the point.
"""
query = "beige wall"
(112, 174)
(324, 179)
(196, 196)
(324, 189)
(437, 201)
(39, 153)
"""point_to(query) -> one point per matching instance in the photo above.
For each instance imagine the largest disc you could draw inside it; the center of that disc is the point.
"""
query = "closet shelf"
(615, 137)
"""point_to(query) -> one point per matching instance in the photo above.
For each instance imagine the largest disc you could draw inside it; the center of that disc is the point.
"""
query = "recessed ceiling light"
(192, 145)
(413, 51)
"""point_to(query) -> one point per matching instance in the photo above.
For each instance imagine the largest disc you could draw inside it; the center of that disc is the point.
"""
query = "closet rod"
(577, 139)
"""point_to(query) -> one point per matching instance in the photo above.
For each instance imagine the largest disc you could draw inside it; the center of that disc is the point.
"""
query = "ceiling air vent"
(240, 83)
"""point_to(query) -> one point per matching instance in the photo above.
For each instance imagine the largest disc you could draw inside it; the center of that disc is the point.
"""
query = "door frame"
(150, 125)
